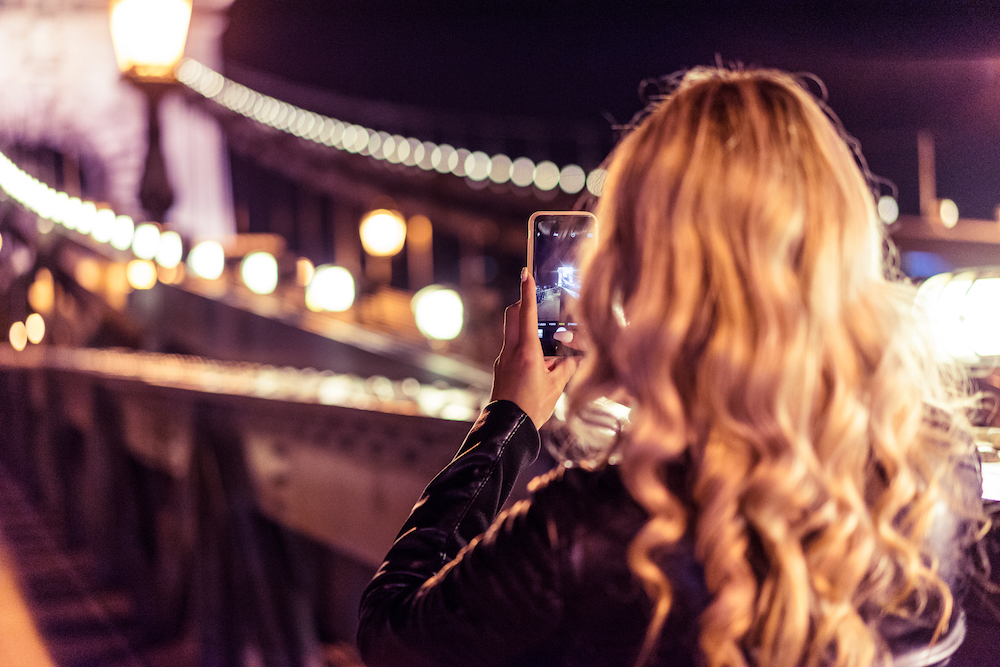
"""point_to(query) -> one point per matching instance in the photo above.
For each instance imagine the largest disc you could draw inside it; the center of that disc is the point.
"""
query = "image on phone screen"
(557, 240)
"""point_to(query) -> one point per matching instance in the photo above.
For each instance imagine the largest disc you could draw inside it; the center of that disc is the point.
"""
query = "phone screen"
(556, 241)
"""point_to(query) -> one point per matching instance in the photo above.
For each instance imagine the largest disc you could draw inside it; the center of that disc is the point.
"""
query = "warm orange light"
(34, 327)
(383, 233)
(42, 293)
(141, 274)
(18, 336)
(88, 274)
(149, 35)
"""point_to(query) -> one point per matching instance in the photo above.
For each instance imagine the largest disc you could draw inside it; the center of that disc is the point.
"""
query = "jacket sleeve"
(452, 592)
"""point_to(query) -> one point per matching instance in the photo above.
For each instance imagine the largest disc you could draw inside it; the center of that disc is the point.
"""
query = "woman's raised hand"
(521, 373)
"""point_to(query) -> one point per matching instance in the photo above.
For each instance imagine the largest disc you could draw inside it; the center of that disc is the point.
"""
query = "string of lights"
(476, 166)
(377, 393)
(328, 288)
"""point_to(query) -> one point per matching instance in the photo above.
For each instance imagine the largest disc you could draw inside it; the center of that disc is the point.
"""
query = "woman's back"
(795, 476)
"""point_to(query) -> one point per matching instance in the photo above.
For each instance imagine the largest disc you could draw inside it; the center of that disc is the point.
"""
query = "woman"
(796, 485)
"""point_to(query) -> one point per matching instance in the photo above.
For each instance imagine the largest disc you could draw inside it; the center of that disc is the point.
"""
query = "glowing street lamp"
(149, 37)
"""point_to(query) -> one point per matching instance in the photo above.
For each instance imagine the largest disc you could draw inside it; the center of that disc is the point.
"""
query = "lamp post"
(149, 37)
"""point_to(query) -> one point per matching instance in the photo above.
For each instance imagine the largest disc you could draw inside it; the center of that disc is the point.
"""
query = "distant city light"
(141, 274)
(207, 260)
(888, 209)
(949, 213)
(104, 225)
(439, 312)
(41, 293)
(546, 176)
(522, 172)
(595, 181)
(122, 232)
(146, 240)
(88, 274)
(981, 317)
(259, 271)
(34, 327)
(331, 289)
(380, 145)
(304, 271)
(500, 168)
(169, 250)
(383, 233)
(18, 336)
(572, 179)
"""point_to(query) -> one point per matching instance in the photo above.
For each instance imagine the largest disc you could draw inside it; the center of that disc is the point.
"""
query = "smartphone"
(555, 242)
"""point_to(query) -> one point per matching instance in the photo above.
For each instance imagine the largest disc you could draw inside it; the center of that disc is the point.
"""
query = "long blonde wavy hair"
(737, 298)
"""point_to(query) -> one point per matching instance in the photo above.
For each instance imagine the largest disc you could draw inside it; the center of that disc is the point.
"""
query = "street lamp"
(149, 37)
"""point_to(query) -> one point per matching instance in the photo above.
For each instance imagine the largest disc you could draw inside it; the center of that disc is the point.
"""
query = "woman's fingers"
(528, 322)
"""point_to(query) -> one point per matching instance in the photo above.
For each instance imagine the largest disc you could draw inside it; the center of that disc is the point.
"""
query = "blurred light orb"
(169, 250)
(477, 166)
(383, 233)
(35, 328)
(981, 317)
(72, 212)
(42, 292)
(207, 260)
(595, 181)
(88, 274)
(122, 232)
(304, 271)
(18, 336)
(104, 225)
(500, 166)
(331, 289)
(439, 312)
(146, 240)
(546, 176)
(87, 217)
(572, 179)
(888, 209)
(259, 271)
(522, 172)
(949, 213)
(141, 274)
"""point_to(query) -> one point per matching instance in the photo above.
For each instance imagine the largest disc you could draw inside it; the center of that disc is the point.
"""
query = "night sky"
(890, 68)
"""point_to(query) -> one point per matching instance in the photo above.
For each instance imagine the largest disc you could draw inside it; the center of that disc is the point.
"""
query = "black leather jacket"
(547, 582)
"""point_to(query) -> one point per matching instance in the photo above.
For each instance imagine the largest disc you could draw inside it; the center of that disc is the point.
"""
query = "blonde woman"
(796, 485)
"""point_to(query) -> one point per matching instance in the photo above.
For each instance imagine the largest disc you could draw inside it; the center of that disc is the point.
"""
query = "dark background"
(891, 68)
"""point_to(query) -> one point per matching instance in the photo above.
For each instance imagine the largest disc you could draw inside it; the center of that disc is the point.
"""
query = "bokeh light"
(981, 317)
(88, 274)
(169, 250)
(146, 241)
(122, 232)
(595, 181)
(304, 271)
(104, 224)
(207, 260)
(572, 179)
(522, 172)
(949, 213)
(546, 176)
(41, 293)
(34, 327)
(331, 289)
(888, 209)
(383, 233)
(141, 274)
(500, 168)
(18, 336)
(439, 312)
(259, 271)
